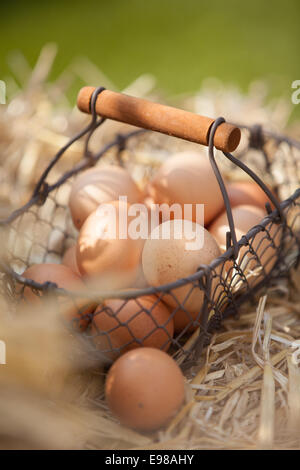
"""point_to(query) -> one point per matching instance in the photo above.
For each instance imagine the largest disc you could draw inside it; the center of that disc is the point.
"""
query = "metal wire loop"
(95, 123)
(222, 186)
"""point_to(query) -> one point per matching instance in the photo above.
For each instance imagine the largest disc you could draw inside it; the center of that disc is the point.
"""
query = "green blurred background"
(180, 41)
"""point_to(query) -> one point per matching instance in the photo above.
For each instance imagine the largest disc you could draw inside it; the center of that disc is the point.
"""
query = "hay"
(245, 391)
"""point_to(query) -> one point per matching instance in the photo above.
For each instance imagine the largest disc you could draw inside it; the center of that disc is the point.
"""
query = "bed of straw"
(245, 391)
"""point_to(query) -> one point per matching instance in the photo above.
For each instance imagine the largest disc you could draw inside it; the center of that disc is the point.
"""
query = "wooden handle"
(157, 117)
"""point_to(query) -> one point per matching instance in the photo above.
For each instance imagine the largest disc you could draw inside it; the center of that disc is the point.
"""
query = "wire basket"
(42, 229)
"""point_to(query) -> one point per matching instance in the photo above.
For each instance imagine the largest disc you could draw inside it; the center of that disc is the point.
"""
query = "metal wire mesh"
(42, 230)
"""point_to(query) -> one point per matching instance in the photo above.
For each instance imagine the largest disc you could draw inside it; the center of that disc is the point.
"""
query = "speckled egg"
(166, 260)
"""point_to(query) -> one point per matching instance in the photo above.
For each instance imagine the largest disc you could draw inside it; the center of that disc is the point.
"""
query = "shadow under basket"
(41, 230)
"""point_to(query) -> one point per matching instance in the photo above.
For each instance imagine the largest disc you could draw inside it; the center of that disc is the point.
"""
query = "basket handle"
(157, 117)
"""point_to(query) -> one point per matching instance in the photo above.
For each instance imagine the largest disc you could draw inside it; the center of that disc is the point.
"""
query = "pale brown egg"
(127, 324)
(103, 252)
(99, 185)
(166, 260)
(263, 250)
(140, 281)
(187, 178)
(75, 310)
(246, 193)
(145, 389)
(69, 259)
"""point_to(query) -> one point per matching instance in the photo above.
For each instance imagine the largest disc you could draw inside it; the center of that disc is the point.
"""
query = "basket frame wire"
(203, 276)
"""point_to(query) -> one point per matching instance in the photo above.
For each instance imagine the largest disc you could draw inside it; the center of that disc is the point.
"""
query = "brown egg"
(183, 320)
(246, 193)
(187, 178)
(102, 252)
(132, 323)
(145, 389)
(69, 259)
(245, 217)
(187, 321)
(167, 260)
(99, 185)
(75, 310)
